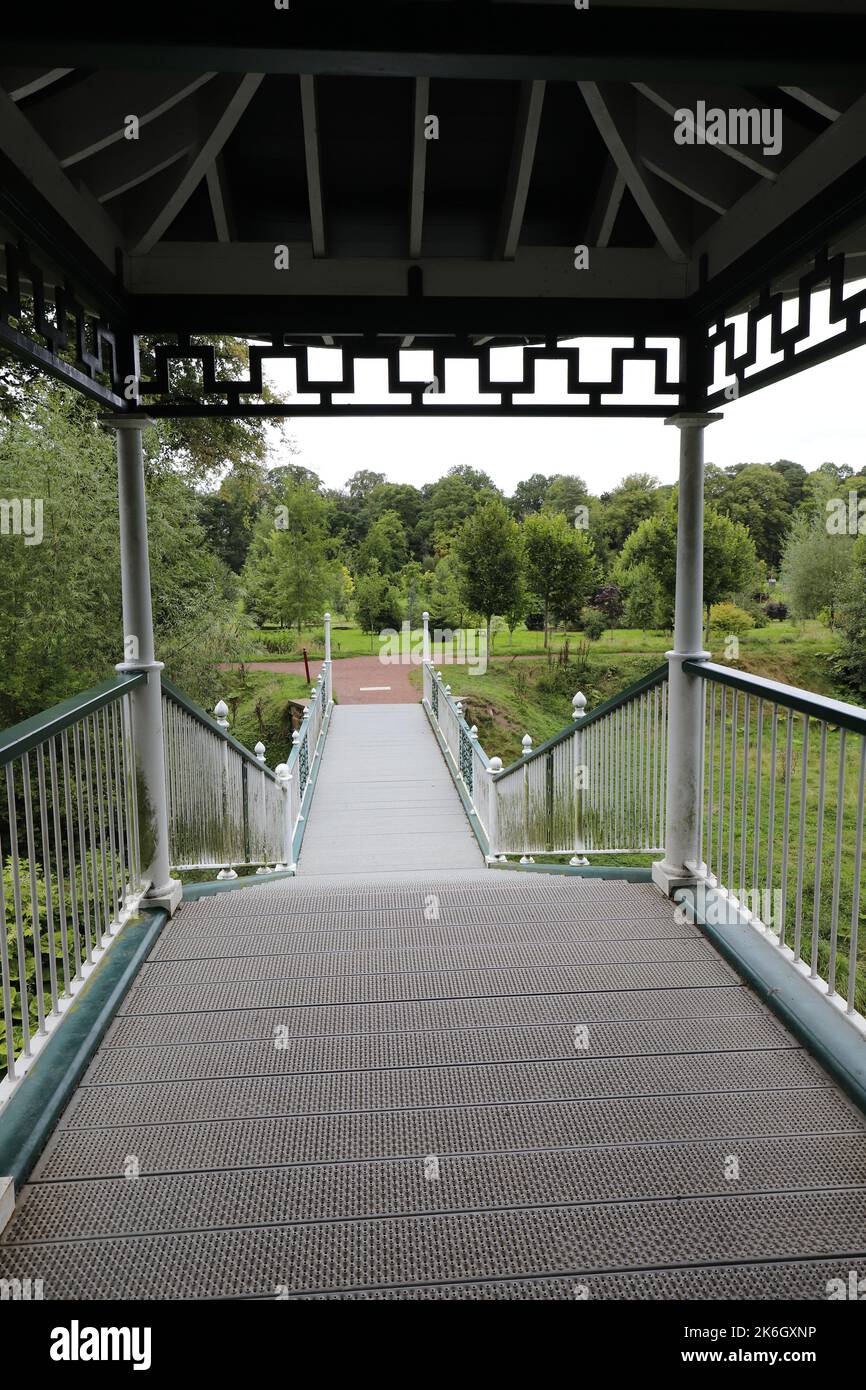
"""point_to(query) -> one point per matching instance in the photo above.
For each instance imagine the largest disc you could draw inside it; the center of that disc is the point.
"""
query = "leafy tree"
(594, 624)
(377, 603)
(645, 603)
(61, 598)
(609, 599)
(445, 596)
(449, 502)
(625, 507)
(560, 565)
(362, 483)
(816, 567)
(385, 544)
(490, 558)
(565, 493)
(729, 554)
(289, 575)
(758, 497)
(529, 496)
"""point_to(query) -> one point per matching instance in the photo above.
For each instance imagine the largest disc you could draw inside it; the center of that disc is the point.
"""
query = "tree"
(644, 600)
(529, 496)
(849, 660)
(560, 565)
(289, 575)
(445, 597)
(449, 502)
(489, 556)
(62, 629)
(816, 567)
(385, 543)
(635, 499)
(609, 599)
(565, 493)
(377, 602)
(758, 497)
(362, 483)
(729, 555)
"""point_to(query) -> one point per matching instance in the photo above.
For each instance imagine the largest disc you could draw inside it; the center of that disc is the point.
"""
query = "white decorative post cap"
(221, 711)
(281, 771)
(578, 705)
(327, 617)
(473, 732)
(425, 617)
(296, 737)
(495, 764)
(527, 743)
(259, 751)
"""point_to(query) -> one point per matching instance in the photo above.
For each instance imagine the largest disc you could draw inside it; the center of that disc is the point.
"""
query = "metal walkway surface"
(384, 799)
(488, 1086)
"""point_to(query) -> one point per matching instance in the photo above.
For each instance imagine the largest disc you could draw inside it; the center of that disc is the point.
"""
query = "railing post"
(139, 655)
(578, 705)
(327, 637)
(493, 808)
(425, 619)
(526, 857)
(679, 867)
(284, 778)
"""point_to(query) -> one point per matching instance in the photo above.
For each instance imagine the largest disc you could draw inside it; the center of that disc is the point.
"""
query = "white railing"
(782, 821)
(297, 776)
(225, 807)
(598, 786)
(70, 867)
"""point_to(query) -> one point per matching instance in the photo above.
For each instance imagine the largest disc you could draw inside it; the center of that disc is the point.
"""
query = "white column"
(139, 655)
(327, 637)
(685, 706)
(425, 618)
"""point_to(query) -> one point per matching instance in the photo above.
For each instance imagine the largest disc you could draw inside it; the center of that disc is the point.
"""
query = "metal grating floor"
(549, 1090)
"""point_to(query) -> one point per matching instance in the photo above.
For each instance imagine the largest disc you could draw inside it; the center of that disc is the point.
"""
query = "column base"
(167, 897)
(670, 877)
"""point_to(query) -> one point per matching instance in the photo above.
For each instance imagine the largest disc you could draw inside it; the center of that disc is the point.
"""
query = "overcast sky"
(817, 415)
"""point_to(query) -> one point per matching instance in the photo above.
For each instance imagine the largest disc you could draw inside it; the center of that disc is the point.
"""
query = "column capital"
(135, 420)
(694, 419)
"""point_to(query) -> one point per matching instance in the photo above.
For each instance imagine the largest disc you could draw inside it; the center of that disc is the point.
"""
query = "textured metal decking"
(384, 800)
(257, 1119)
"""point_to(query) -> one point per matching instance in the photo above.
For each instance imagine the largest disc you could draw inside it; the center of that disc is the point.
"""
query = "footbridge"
(427, 1037)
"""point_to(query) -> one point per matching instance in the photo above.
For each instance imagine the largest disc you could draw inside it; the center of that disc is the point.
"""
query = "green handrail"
(654, 678)
(22, 738)
(835, 712)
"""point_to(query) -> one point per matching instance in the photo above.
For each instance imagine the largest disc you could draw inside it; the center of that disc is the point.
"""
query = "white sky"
(812, 417)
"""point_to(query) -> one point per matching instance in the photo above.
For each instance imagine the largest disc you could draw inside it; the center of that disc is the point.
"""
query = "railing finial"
(221, 710)
(259, 751)
(578, 705)
(526, 742)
